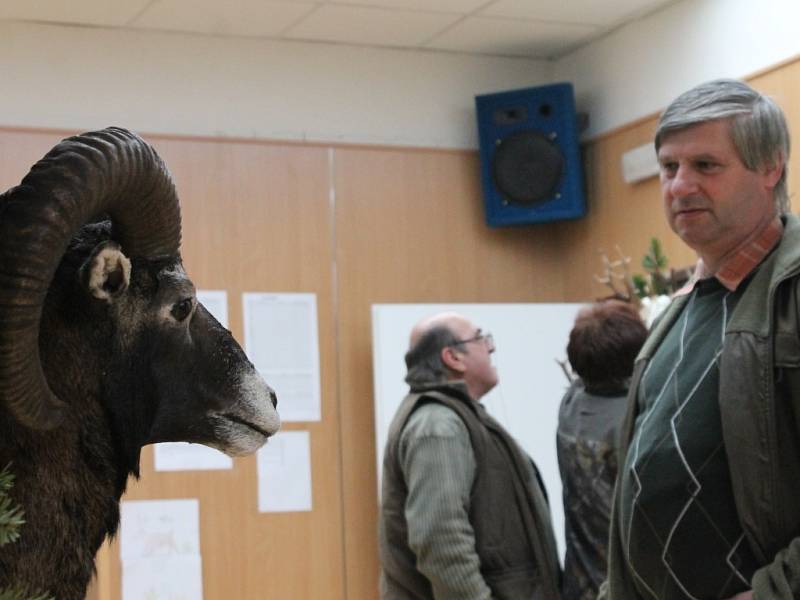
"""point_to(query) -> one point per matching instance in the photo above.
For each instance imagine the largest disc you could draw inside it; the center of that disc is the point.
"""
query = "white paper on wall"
(160, 550)
(216, 302)
(163, 578)
(284, 473)
(280, 332)
(151, 528)
(182, 456)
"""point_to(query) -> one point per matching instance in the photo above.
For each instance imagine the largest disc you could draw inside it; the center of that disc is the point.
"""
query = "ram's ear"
(107, 271)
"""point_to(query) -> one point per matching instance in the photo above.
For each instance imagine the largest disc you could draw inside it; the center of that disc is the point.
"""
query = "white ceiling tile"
(534, 39)
(590, 12)
(231, 17)
(375, 26)
(533, 28)
(462, 7)
(90, 12)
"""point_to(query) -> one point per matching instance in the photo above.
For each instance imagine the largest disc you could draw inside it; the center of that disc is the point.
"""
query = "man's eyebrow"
(707, 157)
(703, 156)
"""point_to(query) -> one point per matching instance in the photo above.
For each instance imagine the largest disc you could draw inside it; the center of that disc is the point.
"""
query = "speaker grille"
(527, 168)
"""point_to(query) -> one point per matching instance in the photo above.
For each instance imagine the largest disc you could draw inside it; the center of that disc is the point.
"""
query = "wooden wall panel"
(410, 228)
(783, 84)
(20, 149)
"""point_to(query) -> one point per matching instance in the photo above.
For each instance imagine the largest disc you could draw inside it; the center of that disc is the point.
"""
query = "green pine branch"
(11, 515)
(655, 264)
(11, 519)
(655, 260)
(640, 286)
(21, 594)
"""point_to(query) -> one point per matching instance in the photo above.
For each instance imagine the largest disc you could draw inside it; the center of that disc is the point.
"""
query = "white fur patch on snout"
(254, 406)
(109, 273)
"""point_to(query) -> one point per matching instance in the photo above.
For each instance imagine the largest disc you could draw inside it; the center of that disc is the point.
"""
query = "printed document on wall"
(182, 456)
(216, 302)
(160, 550)
(280, 335)
(284, 473)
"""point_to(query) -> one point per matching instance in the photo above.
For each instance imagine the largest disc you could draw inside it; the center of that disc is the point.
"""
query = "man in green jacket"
(706, 503)
(464, 514)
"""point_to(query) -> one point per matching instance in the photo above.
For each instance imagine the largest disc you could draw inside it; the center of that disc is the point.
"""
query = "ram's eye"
(182, 309)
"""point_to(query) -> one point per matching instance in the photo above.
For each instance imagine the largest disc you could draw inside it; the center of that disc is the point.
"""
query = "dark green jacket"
(508, 509)
(759, 398)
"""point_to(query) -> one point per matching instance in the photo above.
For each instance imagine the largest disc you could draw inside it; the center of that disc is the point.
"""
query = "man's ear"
(772, 173)
(107, 272)
(452, 359)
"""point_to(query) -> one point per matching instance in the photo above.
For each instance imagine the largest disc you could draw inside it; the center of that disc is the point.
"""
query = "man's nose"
(683, 182)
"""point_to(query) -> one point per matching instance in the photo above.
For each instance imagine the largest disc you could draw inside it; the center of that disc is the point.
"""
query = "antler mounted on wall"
(617, 276)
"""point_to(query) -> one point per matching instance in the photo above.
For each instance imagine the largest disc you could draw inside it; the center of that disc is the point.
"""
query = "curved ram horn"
(112, 172)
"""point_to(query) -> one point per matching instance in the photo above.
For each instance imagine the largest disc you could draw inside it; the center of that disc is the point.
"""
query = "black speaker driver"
(527, 167)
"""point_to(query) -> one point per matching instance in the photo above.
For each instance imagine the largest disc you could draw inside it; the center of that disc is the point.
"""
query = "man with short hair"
(706, 502)
(464, 514)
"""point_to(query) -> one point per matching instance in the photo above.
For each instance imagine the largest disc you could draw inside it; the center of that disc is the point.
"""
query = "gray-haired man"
(706, 501)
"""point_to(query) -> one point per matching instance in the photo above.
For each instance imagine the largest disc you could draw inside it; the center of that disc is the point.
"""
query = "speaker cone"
(527, 167)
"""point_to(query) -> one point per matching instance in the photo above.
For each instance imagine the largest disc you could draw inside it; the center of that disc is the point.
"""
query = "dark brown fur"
(116, 366)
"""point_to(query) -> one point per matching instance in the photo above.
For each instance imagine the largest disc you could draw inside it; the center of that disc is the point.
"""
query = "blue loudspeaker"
(530, 158)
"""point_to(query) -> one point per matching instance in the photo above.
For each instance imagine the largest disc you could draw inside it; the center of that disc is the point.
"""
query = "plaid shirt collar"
(736, 267)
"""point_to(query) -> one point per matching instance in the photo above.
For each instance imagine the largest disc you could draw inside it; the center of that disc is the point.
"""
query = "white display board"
(529, 339)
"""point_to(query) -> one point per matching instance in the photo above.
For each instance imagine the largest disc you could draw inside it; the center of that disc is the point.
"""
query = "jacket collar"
(783, 263)
(788, 260)
(737, 267)
(749, 314)
(456, 387)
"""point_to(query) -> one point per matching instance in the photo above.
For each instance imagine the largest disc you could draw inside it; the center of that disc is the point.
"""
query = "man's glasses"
(487, 339)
